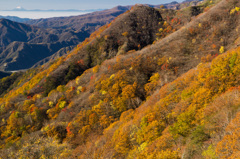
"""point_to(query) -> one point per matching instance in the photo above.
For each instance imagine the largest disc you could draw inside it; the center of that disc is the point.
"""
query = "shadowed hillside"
(23, 45)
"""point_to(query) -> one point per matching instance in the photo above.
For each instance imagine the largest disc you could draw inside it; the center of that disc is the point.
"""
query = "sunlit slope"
(103, 101)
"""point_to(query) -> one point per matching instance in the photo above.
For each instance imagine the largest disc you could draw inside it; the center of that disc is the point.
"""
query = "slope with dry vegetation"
(117, 95)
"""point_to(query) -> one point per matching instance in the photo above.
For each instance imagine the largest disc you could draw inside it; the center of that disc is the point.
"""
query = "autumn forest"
(154, 83)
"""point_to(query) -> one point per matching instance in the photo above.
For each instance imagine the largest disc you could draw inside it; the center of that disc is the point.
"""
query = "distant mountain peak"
(191, 0)
(173, 2)
(19, 8)
(121, 7)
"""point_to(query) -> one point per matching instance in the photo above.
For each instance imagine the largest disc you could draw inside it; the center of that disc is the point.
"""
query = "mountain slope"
(162, 101)
(193, 117)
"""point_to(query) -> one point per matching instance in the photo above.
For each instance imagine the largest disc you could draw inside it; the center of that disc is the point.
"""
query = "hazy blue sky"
(73, 4)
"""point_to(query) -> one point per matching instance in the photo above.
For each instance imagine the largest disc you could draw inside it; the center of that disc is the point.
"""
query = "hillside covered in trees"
(153, 83)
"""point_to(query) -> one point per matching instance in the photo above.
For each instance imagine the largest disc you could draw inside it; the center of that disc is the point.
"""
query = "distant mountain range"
(55, 10)
(15, 18)
(87, 22)
(22, 45)
(170, 5)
